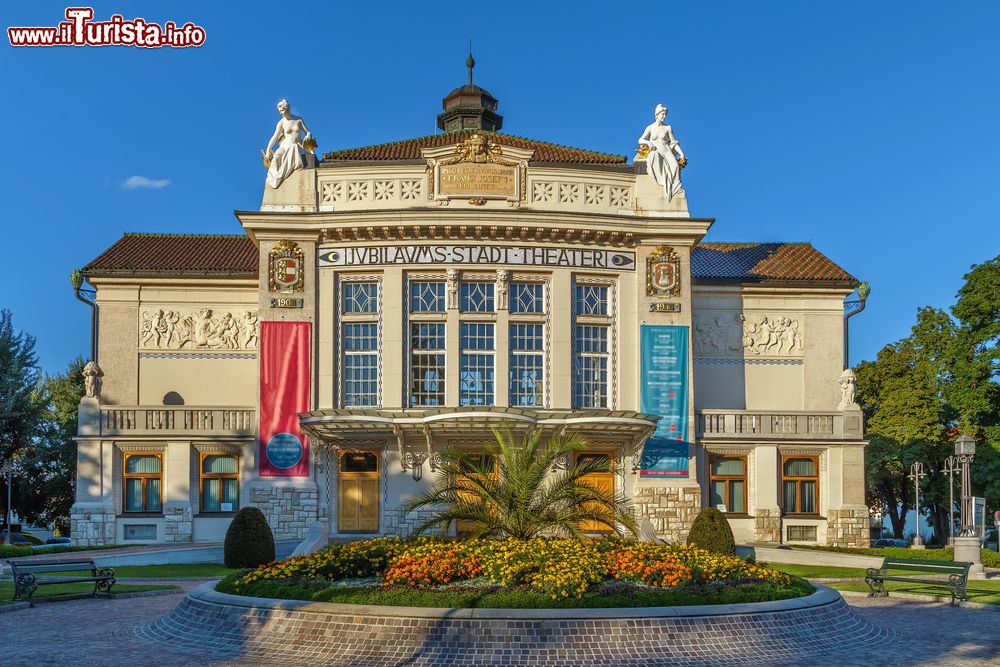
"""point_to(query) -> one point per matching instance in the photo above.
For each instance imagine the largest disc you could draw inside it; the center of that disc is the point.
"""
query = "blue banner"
(664, 392)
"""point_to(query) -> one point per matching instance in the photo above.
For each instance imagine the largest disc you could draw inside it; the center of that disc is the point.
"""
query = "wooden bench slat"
(26, 575)
(896, 569)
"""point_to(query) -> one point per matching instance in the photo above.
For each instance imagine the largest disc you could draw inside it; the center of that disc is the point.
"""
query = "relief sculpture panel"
(198, 329)
(723, 334)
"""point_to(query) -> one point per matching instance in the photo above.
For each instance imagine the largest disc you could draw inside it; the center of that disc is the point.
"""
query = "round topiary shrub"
(249, 541)
(711, 532)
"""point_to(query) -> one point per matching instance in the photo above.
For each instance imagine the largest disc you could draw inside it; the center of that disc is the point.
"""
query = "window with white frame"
(527, 364)
(427, 364)
(476, 296)
(527, 298)
(477, 363)
(427, 296)
(359, 336)
(591, 345)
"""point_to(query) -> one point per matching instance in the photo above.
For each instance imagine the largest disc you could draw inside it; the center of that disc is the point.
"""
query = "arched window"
(143, 483)
(220, 482)
(800, 484)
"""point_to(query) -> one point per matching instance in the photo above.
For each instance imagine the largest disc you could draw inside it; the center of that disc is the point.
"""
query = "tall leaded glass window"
(427, 363)
(359, 343)
(592, 343)
(590, 366)
(527, 364)
(427, 297)
(360, 297)
(477, 363)
(590, 299)
(360, 364)
(476, 296)
(527, 297)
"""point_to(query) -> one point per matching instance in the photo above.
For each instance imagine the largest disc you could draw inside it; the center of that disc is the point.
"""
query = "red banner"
(284, 392)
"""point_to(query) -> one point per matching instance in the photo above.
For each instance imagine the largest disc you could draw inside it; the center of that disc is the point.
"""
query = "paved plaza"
(100, 632)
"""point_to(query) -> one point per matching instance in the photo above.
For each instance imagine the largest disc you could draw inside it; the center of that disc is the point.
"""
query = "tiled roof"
(410, 149)
(236, 254)
(177, 254)
(765, 262)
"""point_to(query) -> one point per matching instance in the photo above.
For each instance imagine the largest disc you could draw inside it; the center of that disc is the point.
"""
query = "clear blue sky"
(866, 128)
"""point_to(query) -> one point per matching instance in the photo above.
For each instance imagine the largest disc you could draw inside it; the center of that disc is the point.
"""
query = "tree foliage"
(923, 390)
(521, 498)
(48, 466)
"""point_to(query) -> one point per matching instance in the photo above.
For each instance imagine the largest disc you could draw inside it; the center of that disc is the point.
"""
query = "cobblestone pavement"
(99, 632)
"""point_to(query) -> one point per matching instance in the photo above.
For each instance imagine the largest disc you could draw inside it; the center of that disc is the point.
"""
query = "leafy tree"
(20, 409)
(48, 467)
(925, 389)
(522, 498)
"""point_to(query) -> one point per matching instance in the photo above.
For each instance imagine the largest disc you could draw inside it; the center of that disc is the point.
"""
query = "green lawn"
(820, 571)
(7, 589)
(987, 591)
(173, 571)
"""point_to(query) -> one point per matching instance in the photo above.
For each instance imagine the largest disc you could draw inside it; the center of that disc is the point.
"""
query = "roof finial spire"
(470, 62)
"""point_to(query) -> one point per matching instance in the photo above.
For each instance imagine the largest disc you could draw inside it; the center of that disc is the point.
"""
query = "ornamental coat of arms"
(287, 263)
(663, 272)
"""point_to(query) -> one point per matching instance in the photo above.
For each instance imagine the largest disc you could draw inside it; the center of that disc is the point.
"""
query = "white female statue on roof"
(293, 138)
(664, 157)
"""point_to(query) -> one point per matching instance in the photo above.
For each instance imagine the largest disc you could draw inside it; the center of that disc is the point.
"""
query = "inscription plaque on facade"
(470, 179)
(477, 169)
(381, 255)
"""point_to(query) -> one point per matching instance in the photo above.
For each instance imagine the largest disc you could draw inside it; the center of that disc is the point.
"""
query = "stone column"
(178, 515)
(767, 518)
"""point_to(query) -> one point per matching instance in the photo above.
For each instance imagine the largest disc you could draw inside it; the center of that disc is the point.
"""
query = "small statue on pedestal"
(287, 134)
(663, 155)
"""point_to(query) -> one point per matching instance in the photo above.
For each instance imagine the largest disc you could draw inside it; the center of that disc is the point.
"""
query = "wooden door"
(604, 480)
(358, 510)
(489, 462)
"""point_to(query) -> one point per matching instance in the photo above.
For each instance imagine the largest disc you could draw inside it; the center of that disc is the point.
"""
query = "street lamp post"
(967, 543)
(916, 474)
(951, 469)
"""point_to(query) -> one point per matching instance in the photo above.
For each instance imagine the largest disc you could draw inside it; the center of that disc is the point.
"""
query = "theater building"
(385, 303)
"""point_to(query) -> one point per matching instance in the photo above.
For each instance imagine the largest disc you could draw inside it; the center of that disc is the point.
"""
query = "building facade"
(389, 302)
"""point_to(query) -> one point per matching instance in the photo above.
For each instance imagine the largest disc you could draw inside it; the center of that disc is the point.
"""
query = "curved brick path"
(101, 632)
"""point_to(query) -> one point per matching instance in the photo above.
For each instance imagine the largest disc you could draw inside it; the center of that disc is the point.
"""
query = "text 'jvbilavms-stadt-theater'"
(390, 302)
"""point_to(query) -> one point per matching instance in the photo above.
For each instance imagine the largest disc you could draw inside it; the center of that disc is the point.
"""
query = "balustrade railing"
(123, 420)
(753, 424)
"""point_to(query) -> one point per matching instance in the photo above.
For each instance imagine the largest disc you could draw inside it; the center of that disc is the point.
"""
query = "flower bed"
(512, 573)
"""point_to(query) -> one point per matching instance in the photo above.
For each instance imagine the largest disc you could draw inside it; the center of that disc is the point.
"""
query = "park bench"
(919, 571)
(28, 575)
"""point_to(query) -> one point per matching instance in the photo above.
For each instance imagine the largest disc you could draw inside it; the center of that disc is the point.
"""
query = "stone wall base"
(91, 526)
(290, 510)
(767, 526)
(847, 528)
(671, 510)
(401, 524)
(178, 523)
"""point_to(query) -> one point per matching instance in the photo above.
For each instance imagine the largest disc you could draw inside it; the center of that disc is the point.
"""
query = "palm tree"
(512, 492)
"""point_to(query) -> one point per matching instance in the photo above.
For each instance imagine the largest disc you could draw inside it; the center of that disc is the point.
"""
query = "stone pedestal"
(967, 550)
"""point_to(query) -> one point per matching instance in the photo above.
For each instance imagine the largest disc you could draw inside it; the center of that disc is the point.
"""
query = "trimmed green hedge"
(989, 558)
(498, 598)
(711, 532)
(249, 540)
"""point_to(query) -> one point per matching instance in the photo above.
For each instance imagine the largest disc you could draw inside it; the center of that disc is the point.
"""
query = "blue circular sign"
(284, 450)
